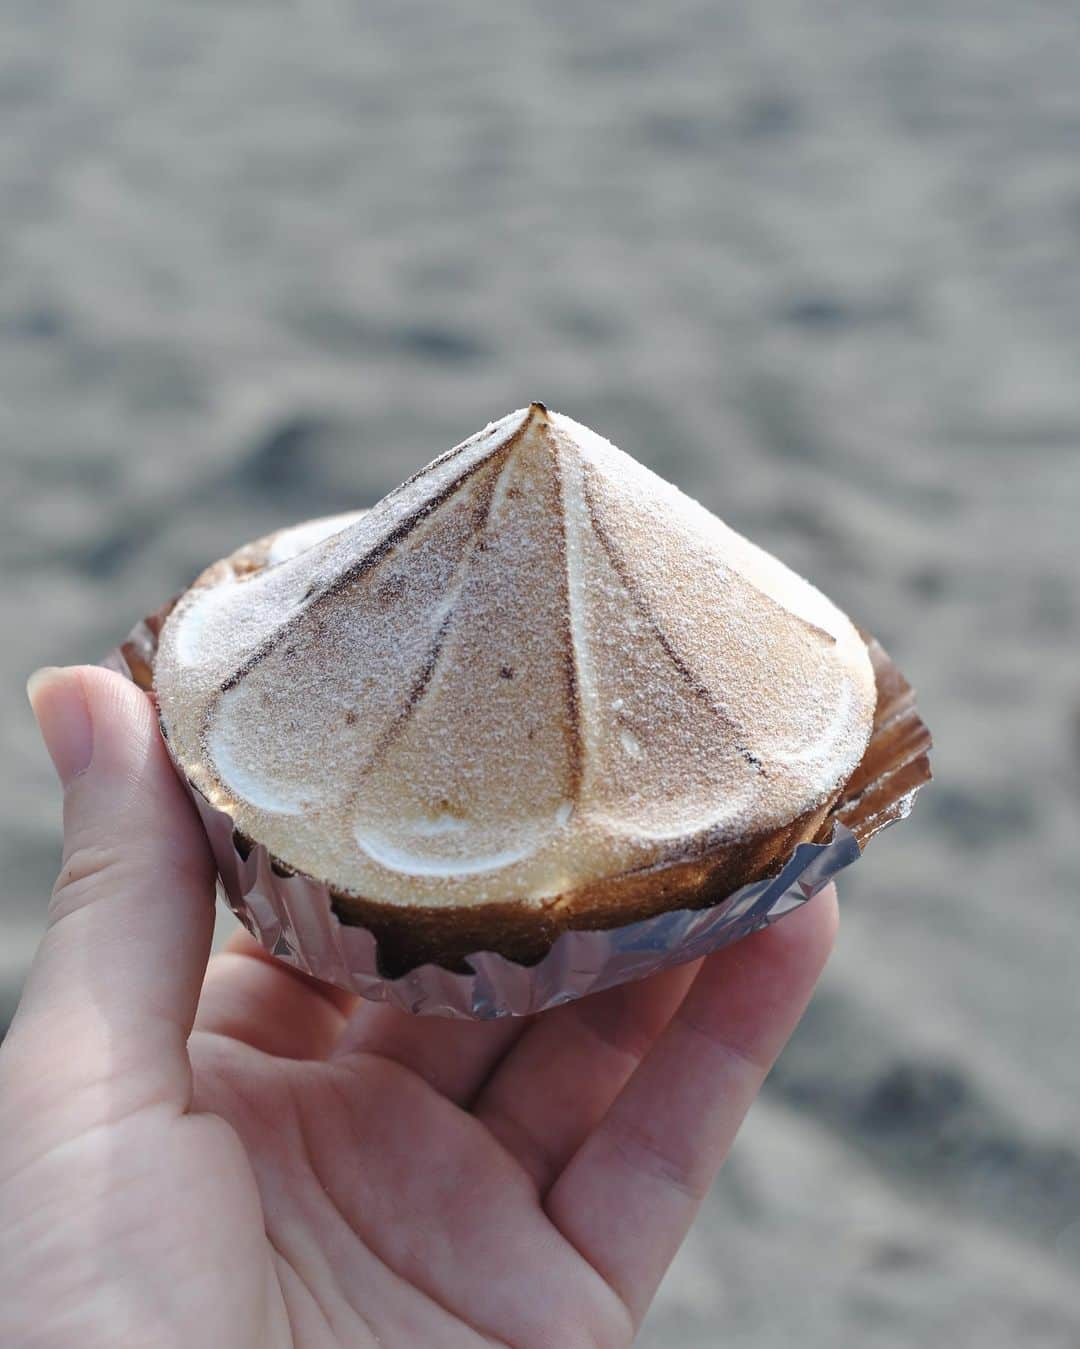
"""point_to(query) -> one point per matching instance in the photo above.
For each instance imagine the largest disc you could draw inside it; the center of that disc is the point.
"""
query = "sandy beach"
(817, 264)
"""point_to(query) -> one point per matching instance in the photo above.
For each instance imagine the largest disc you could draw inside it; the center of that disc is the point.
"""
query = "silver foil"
(293, 917)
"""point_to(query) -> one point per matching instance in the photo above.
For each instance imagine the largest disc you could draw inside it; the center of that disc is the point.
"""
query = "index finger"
(631, 1191)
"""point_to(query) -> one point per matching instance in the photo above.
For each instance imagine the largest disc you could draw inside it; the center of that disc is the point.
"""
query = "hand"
(239, 1156)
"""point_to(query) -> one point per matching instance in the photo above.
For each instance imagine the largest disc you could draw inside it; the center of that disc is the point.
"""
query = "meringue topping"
(532, 665)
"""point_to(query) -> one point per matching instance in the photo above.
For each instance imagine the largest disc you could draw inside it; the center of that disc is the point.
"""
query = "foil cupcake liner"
(292, 915)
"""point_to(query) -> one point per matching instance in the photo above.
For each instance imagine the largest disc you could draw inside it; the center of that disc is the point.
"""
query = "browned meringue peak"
(533, 665)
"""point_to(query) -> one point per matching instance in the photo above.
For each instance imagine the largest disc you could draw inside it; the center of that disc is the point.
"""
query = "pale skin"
(231, 1154)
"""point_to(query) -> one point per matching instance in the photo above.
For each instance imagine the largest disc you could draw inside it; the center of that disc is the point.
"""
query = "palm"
(392, 1217)
(438, 1183)
(402, 1199)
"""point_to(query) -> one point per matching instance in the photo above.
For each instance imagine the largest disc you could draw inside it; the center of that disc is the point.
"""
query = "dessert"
(534, 689)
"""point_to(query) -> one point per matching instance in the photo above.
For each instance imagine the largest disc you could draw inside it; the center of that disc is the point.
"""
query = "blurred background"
(815, 261)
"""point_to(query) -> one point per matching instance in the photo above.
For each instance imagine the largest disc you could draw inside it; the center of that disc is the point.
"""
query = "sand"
(814, 262)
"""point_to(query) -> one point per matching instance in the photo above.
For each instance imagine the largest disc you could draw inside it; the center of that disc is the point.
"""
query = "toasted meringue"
(535, 687)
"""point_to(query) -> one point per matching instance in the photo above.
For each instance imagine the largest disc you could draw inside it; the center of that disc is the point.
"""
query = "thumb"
(111, 995)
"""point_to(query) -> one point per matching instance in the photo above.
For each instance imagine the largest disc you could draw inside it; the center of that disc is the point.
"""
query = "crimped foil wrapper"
(292, 915)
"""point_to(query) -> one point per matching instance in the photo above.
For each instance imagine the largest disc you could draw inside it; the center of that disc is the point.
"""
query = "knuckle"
(86, 871)
(730, 1049)
(647, 1155)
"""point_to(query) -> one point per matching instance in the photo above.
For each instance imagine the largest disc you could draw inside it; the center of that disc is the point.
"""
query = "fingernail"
(63, 716)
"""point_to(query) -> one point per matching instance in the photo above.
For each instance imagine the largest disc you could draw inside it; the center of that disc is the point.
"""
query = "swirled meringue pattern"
(533, 666)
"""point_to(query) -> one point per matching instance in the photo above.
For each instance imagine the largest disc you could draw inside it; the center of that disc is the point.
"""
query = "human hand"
(239, 1156)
